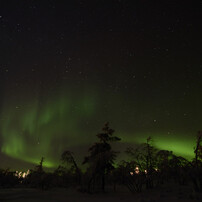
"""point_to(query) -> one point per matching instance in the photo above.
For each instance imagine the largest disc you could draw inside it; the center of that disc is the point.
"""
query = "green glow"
(45, 126)
(34, 130)
(180, 144)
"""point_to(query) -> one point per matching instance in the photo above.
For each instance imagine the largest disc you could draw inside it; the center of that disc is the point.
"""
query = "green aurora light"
(47, 127)
(34, 131)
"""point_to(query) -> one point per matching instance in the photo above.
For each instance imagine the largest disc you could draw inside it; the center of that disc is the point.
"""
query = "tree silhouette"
(39, 168)
(196, 172)
(68, 158)
(149, 153)
(37, 176)
(163, 164)
(101, 158)
(198, 148)
(144, 156)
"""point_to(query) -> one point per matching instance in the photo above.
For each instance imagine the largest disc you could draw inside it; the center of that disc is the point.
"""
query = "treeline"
(147, 168)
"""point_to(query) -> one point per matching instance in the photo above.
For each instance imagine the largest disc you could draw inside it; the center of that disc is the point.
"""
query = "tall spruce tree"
(101, 158)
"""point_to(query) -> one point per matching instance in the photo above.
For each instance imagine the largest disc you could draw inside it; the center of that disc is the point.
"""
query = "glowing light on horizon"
(137, 171)
(20, 174)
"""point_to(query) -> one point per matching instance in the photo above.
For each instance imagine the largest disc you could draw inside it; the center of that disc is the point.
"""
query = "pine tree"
(101, 158)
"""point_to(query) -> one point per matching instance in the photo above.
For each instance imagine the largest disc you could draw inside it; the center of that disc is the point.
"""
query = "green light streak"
(35, 130)
(181, 145)
(45, 127)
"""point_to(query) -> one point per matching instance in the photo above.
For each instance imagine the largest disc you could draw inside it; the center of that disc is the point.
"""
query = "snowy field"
(167, 193)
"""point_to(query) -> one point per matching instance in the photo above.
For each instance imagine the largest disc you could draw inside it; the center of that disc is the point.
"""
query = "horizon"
(51, 165)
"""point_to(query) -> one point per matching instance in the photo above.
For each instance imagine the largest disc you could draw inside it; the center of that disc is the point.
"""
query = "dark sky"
(67, 67)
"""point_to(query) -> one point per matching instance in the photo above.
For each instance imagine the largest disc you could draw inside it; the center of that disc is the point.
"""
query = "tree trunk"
(103, 183)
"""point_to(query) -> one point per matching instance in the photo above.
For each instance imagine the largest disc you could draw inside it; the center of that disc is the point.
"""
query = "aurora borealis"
(67, 68)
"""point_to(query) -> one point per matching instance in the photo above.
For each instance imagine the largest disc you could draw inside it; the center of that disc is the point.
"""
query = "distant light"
(22, 174)
(131, 173)
(137, 171)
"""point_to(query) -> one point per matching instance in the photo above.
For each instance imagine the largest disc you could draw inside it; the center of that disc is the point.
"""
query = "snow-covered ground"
(167, 193)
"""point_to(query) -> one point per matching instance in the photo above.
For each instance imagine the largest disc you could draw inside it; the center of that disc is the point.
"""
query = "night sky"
(67, 67)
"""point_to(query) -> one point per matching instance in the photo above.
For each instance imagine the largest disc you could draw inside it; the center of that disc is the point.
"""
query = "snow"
(165, 193)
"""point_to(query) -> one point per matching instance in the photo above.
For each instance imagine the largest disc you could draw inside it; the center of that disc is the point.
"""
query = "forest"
(148, 168)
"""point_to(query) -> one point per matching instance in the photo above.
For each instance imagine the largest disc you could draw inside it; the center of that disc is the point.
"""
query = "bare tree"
(39, 168)
(68, 158)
